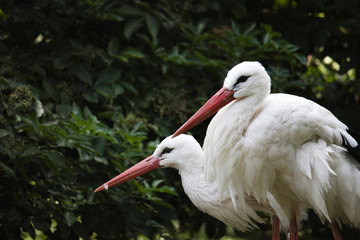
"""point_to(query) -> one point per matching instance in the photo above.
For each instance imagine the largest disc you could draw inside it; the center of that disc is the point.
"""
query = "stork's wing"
(353, 149)
(292, 148)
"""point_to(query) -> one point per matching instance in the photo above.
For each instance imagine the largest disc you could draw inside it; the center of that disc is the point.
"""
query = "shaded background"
(88, 88)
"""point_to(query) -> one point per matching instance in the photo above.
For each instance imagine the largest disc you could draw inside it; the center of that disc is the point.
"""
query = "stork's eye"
(241, 79)
(166, 150)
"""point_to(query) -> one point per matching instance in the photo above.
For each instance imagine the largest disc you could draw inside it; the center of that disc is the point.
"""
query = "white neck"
(225, 131)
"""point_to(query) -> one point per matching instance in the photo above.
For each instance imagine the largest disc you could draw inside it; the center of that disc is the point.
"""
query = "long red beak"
(146, 165)
(214, 104)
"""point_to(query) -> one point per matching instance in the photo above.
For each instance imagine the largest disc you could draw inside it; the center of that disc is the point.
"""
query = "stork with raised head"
(280, 147)
(185, 154)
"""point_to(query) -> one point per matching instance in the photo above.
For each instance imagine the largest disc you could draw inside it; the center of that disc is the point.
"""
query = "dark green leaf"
(70, 218)
(131, 26)
(113, 47)
(118, 89)
(112, 17)
(8, 171)
(152, 25)
(105, 90)
(109, 75)
(101, 160)
(83, 74)
(50, 89)
(131, 10)
(133, 53)
(4, 133)
(42, 224)
(129, 87)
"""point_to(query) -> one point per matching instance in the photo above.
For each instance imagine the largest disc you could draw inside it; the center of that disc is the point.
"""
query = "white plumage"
(187, 156)
(288, 157)
(282, 150)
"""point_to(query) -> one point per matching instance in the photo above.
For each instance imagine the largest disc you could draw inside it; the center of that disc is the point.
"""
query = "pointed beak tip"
(138, 169)
(99, 189)
(175, 134)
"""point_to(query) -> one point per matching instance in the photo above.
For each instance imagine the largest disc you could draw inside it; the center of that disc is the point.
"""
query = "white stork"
(279, 147)
(185, 154)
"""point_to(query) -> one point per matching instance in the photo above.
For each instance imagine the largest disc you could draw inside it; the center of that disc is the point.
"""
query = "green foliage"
(88, 87)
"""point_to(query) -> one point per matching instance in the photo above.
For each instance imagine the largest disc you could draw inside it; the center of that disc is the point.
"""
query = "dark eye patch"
(241, 79)
(166, 150)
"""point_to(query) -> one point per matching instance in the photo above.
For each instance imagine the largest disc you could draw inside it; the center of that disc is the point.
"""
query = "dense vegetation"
(88, 88)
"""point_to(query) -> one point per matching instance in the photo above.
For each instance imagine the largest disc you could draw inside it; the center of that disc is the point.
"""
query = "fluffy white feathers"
(282, 150)
(187, 156)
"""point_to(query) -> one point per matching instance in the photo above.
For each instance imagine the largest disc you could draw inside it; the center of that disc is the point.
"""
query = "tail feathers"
(348, 142)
